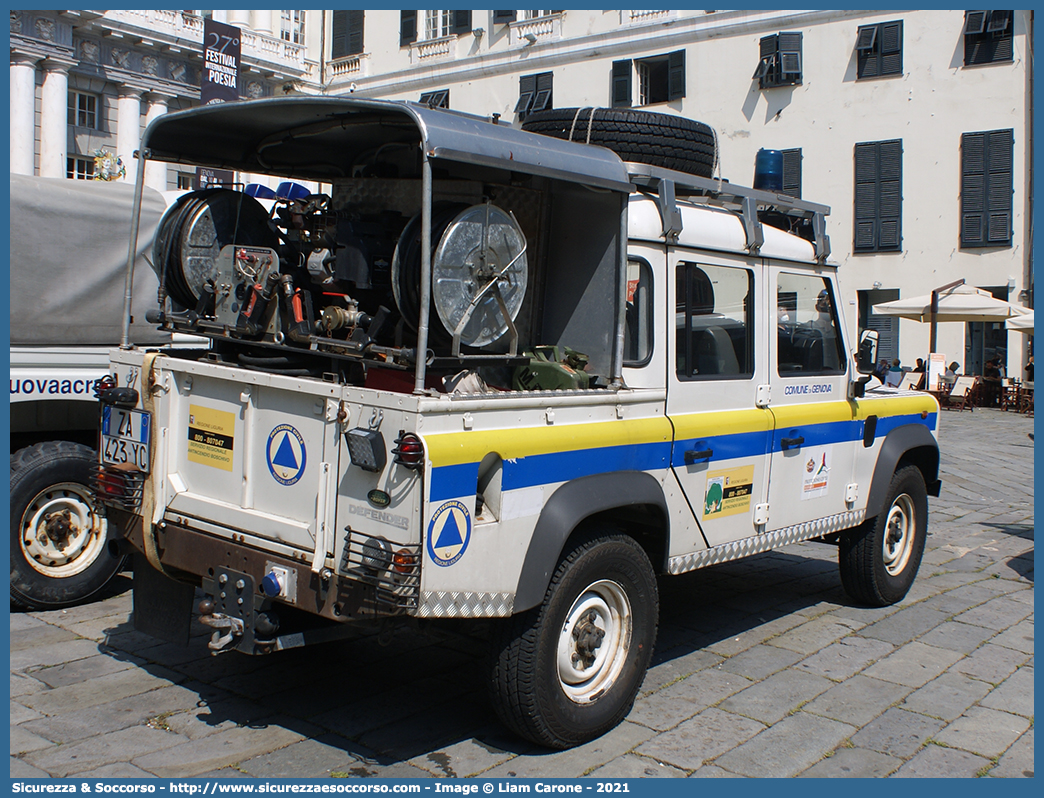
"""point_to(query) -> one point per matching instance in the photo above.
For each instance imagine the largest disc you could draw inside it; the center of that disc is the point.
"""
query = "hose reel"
(479, 274)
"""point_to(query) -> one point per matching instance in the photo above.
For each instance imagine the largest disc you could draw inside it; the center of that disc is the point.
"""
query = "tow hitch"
(229, 611)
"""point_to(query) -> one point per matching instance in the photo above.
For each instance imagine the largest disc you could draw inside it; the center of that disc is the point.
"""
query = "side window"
(638, 340)
(714, 322)
(807, 335)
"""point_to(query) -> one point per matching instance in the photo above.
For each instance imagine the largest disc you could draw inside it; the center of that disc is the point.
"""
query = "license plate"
(125, 437)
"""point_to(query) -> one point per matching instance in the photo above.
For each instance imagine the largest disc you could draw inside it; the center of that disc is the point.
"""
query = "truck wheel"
(879, 559)
(568, 671)
(664, 140)
(59, 552)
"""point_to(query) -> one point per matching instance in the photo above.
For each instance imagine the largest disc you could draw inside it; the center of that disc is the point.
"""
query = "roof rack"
(808, 218)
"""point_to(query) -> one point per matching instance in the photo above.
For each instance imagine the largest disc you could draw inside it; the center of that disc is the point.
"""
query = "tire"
(568, 671)
(664, 140)
(49, 484)
(879, 559)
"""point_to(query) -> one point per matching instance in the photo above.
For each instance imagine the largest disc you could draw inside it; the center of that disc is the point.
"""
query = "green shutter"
(503, 17)
(891, 47)
(339, 35)
(865, 197)
(460, 22)
(676, 75)
(973, 189)
(355, 32)
(621, 86)
(889, 195)
(1000, 146)
(878, 196)
(407, 27)
(792, 173)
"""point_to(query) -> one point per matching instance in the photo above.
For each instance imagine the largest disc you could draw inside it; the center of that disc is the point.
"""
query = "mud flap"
(162, 607)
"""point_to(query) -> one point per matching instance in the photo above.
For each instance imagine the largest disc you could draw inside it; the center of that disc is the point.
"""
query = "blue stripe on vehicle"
(454, 481)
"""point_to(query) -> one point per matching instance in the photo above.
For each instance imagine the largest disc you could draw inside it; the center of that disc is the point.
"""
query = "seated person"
(895, 373)
(953, 371)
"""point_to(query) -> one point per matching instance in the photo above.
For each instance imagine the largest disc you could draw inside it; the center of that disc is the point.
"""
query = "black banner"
(209, 178)
(219, 81)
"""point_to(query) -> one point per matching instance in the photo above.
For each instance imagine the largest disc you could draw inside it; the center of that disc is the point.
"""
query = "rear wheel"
(568, 671)
(880, 558)
(59, 542)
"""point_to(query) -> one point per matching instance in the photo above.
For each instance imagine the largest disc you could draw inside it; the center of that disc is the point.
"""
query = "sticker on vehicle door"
(449, 533)
(816, 478)
(286, 454)
(211, 435)
(728, 492)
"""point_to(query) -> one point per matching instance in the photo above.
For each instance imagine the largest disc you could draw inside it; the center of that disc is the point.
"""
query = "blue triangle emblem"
(450, 534)
(284, 455)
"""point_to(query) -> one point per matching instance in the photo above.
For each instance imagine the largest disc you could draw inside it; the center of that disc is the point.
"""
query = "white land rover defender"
(488, 373)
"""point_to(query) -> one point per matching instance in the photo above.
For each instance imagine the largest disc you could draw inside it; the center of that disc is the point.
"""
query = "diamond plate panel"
(439, 604)
(737, 549)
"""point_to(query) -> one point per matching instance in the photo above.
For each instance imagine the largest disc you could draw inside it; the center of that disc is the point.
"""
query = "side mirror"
(867, 355)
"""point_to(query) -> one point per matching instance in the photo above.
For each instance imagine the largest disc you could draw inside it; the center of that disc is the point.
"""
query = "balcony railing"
(183, 25)
(638, 17)
(543, 28)
(345, 68)
(431, 49)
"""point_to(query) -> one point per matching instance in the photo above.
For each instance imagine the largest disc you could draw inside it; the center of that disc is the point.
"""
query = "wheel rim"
(60, 533)
(899, 534)
(594, 641)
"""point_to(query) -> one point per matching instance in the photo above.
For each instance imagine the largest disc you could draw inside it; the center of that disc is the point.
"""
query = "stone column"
(23, 114)
(241, 19)
(156, 171)
(262, 21)
(128, 128)
(54, 120)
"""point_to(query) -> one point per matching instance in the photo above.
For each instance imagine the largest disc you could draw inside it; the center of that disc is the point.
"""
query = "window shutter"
(790, 57)
(887, 327)
(503, 16)
(999, 21)
(461, 22)
(974, 22)
(999, 149)
(355, 32)
(621, 88)
(542, 100)
(792, 172)
(339, 36)
(676, 75)
(890, 195)
(407, 27)
(973, 189)
(878, 196)
(891, 47)
(526, 91)
(865, 197)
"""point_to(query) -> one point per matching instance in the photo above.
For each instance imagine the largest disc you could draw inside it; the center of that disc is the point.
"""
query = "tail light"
(120, 486)
(409, 450)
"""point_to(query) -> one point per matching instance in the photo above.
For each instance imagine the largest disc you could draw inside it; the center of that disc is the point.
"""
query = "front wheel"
(568, 671)
(59, 545)
(880, 558)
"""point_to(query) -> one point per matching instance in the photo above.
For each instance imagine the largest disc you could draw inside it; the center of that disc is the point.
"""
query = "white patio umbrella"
(1022, 324)
(953, 302)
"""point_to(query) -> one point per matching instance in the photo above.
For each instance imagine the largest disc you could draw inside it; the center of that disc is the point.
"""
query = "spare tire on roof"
(665, 140)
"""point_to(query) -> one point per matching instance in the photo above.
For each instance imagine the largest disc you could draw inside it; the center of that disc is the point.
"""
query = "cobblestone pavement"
(763, 668)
